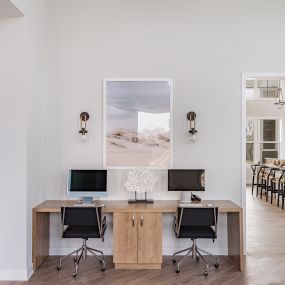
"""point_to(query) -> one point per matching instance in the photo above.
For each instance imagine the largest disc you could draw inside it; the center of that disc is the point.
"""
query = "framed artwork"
(137, 123)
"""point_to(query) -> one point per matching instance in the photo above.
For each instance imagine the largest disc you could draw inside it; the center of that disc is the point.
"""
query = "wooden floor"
(264, 263)
(265, 226)
(259, 271)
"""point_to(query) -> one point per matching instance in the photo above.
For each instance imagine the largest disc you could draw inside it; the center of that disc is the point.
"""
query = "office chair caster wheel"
(74, 274)
(197, 258)
(103, 269)
(205, 273)
(58, 267)
(217, 264)
(177, 270)
(75, 259)
(173, 261)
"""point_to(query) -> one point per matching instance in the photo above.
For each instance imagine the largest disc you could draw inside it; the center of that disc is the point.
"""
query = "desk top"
(111, 206)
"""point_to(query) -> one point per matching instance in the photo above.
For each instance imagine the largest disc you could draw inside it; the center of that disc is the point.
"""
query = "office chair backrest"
(204, 216)
(81, 216)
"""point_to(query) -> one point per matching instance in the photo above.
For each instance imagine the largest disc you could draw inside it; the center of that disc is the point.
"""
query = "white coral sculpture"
(140, 180)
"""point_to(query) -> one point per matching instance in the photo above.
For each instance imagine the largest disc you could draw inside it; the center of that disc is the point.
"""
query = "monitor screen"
(88, 181)
(186, 180)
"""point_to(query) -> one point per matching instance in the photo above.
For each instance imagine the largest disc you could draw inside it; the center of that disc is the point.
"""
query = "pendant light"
(279, 101)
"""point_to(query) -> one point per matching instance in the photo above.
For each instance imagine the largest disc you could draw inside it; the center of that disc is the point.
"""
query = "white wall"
(13, 155)
(21, 56)
(204, 46)
(35, 57)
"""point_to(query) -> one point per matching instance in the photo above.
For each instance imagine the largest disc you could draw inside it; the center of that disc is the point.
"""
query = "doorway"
(263, 134)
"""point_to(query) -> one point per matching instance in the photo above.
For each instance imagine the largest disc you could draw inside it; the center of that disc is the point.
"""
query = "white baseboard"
(13, 275)
(165, 251)
(213, 250)
(30, 271)
(65, 251)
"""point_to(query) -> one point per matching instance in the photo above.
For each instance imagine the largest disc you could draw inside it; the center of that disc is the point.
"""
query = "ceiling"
(9, 9)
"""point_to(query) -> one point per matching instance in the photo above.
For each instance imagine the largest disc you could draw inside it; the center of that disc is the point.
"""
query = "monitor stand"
(185, 197)
(87, 200)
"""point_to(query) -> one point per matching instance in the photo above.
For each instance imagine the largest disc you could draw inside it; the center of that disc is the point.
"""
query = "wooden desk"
(41, 225)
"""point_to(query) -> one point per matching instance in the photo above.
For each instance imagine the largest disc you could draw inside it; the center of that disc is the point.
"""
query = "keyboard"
(84, 205)
(88, 205)
(191, 205)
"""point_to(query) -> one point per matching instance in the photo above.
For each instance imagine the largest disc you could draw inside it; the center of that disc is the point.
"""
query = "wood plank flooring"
(265, 231)
(264, 263)
(259, 271)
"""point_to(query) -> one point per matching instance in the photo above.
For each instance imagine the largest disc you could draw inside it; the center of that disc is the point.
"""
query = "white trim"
(60, 251)
(171, 130)
(56, 251)
(13, 275)
(260, 99)
(104, 121)
(277, 76)
(264, 117)
(105, 80)
(214, 250)
(263, 76)
(243, 155)
(30, 271)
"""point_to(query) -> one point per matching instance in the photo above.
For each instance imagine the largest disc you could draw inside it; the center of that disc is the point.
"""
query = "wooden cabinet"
(125, 237)
(149, 238)
(137, 240)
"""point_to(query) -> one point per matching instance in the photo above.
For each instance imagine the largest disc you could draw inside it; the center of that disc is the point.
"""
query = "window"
(256, 88)
(250, 138)
(262, 139)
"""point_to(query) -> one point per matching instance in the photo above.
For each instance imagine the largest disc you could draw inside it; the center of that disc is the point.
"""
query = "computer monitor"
(87, 184)
(186, 181)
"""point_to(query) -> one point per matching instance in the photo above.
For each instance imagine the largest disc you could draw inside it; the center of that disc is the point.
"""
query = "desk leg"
(40, 238)
(235, 238)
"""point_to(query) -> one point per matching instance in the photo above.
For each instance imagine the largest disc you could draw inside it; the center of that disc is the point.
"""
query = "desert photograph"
(138, 123)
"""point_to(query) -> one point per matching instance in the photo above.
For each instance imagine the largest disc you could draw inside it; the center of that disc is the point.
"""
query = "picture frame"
(137, 123)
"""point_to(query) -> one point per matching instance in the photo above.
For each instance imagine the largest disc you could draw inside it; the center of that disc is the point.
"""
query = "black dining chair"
(255, 169)
(83, 222)
(262, 179)
(274, 185)
(280, 187)
(195, 223)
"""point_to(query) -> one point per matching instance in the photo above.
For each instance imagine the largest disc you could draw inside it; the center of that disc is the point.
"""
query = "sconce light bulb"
(83, 137)
(193, 138)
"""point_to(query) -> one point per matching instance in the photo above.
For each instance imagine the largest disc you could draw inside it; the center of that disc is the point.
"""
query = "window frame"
(256, 93)
(257, 142)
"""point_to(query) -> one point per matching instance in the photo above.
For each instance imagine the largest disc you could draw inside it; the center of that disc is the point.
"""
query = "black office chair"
(83, 222)
(195, 223)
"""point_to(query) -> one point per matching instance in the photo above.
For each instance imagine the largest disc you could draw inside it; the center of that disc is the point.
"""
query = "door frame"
(246, 75)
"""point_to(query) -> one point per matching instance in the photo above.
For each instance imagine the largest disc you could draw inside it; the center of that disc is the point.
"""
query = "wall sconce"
(84, 117)
(191, 117)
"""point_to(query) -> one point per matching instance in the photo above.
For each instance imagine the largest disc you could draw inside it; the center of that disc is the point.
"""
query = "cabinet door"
(149, 238)
(125, 238)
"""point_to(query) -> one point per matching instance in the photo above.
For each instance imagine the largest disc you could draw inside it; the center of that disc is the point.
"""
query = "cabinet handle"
(141, 220)
(133, 221)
